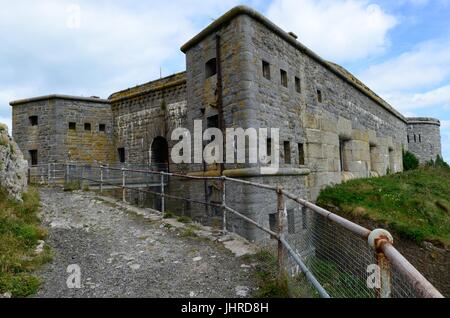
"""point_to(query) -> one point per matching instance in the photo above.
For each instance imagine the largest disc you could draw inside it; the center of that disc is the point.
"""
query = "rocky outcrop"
(13, 167)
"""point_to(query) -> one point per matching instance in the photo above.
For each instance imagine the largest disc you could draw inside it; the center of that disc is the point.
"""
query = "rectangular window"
(269, 147)
(34, 120)
(213, 121)
(72, 126)
(408, 138)
(298, 86)
(287, 152)
(301, 155)
(33, 157)
(342, 155)
(291, 221)
(87, 127)
(273, 222)
(319, 96)
(420, 138)
(284, 78)
(266, 69)
(121, 152)
(304, 218)
(211, 68)
(102, 127)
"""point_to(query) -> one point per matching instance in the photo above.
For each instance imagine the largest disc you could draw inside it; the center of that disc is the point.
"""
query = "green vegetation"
(273, 285)
(410, 161)
(188, 232)
(169, 215)
(438, 163)
(184, 219)
(19, 235)
(72, 186)
(414, 204)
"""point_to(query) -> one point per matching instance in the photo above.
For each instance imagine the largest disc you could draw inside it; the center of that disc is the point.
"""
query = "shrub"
(410, 161)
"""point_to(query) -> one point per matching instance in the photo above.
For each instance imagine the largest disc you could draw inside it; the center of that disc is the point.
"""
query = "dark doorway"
(121, 152)
(34, 157)
(160, 153)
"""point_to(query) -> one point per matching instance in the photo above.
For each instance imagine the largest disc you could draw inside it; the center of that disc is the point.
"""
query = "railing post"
(163, 208)
(48, 173)
(123, 186)
(376, 240)
(101, 179)
(224, 204)
(280, 212)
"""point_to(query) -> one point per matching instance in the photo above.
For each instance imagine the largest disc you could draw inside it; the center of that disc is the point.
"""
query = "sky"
(400, 49)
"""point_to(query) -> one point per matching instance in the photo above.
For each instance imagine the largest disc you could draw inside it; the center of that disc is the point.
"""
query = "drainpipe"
(220, 98)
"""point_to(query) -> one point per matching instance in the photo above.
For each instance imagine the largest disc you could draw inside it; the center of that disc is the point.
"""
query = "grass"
(19, 235)
(169, 215)
(413, 204)
(273, 285)
(72, 186)
(184, 219)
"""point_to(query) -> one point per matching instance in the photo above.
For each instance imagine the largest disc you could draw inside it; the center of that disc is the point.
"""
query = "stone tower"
(424, 138)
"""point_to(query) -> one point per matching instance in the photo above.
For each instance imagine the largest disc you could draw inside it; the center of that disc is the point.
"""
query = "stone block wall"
(424, 138)
(53, 139)
(146, 114)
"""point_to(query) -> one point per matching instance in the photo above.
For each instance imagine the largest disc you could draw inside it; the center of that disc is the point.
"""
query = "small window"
(266, 69)
(211, 68)
(33, 157)
(420, 138)
(102, 127)
(269, 147)
(415, 139)
(342, 158)
(301, 155)
(319, 96)
(291, 221)
(287, 152)
(121, 152)
(72, 126)
(305, 218)
(87, 127)
(34, 120)
(273, 222)
(408, 138)
(284, 78)
(213, 121)
(298, 86)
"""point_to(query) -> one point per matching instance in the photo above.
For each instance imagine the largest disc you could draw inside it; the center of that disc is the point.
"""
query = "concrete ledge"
(58, 96)
(254, 172)
(423, 121)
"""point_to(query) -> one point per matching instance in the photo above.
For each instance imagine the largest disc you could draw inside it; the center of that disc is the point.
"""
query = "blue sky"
(400, 49)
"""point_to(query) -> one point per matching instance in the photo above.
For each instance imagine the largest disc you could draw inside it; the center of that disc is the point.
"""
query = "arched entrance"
(160, 153)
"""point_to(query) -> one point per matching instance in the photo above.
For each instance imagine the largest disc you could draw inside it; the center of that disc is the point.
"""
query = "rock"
(245, 266)
(40, 248)
(242, 291)
(6, 295)
(135, 267)
(197, 259)
(13, 167)
(191, 294)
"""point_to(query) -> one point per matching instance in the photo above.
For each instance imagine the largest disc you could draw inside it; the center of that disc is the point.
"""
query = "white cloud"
(425, 65)
(342, 30)
(415, 80)
(445, 124)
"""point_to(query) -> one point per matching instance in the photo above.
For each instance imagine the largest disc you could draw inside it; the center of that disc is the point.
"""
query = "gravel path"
(121, 254)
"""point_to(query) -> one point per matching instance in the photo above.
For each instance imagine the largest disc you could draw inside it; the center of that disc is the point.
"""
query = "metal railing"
(338, 257)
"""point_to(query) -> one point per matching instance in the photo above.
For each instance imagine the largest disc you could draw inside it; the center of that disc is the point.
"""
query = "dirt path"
(125, 255)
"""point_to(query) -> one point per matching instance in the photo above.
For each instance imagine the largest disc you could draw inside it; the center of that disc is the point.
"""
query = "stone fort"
(241, 71)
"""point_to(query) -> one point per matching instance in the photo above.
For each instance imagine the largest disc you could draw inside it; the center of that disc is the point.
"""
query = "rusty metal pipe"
(352, 227)
(420, 283)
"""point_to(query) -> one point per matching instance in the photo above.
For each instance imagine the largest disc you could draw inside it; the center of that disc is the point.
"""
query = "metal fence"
(339, 258)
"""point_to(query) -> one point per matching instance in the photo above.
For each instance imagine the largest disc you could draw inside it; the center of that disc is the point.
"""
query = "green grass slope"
(415, 204)
(19, 235)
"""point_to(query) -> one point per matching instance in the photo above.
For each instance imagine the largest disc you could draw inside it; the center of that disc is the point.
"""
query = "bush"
(410, 161)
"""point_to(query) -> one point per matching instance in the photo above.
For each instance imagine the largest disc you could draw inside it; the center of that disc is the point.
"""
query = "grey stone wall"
(140, 118)
(52, 138)
(424, 138)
